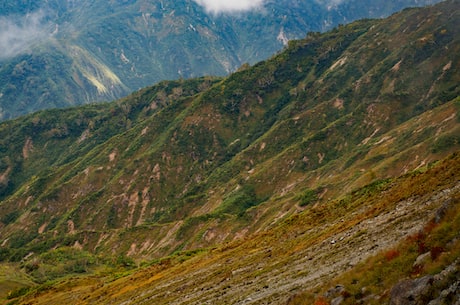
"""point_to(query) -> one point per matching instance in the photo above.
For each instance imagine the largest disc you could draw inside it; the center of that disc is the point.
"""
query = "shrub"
(445, 142)
(307, 197)
(435, 252)
(237, 202)
(391, 254)
(10, 217)
(17, 293)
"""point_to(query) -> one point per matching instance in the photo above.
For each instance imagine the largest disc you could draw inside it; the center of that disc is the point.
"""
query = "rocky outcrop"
(412, 292)
(442, 288)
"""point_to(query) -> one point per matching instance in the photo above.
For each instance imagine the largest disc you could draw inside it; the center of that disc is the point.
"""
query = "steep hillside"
(302, 259)
(278, 160)
(62, 53)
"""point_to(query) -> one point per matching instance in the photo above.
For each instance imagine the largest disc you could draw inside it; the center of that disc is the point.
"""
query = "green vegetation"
(238, 201)
(262, 169)
(307, 197)
(101, 51)
(206, 150)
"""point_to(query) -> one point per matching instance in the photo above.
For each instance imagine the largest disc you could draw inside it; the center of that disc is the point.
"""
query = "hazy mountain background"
(60, 53)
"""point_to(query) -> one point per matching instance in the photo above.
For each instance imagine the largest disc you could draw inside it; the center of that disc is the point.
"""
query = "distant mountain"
(61, 53)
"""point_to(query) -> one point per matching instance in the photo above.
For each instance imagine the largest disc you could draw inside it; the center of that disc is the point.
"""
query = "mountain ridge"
(213, 147)
(84, 45)
(179, 170)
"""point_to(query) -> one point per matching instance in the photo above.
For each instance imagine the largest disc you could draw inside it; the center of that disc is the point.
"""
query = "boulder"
(412, 292)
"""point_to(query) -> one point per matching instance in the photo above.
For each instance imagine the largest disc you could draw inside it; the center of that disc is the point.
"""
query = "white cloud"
(19, 33)
(329, 3)
(229, 6)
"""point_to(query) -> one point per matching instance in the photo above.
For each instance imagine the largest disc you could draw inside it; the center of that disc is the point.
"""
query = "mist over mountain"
(62, 53)
(229, 7)
(20, 34)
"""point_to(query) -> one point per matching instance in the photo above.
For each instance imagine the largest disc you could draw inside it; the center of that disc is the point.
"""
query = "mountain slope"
(302, 252)
(190, 165)
(61, 53)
